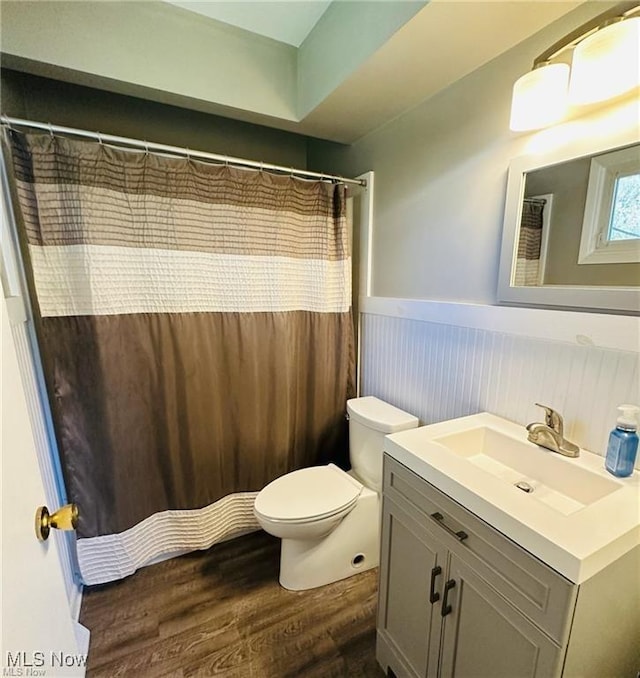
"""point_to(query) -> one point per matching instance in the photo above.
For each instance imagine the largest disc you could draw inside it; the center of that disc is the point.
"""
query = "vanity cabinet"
(458, 598)
(483, 635)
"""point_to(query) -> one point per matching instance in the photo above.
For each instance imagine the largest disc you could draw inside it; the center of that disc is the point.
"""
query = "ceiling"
(288, 21)
(334, 70)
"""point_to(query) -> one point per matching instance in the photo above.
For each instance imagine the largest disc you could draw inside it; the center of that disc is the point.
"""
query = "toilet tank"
(370, 420)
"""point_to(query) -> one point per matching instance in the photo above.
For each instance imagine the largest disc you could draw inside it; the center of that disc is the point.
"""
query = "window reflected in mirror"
(624, 223)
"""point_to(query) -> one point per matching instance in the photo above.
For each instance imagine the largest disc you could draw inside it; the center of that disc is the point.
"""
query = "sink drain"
(524, 486)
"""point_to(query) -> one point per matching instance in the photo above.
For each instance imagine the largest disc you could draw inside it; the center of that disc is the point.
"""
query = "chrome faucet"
(551, 434)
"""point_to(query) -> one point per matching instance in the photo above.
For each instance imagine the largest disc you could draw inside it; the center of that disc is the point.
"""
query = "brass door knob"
(65, 518)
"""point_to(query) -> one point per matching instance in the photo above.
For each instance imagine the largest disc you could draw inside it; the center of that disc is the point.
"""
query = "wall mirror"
(571, 234)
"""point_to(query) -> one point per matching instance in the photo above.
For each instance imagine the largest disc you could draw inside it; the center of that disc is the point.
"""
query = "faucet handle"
(552, 419)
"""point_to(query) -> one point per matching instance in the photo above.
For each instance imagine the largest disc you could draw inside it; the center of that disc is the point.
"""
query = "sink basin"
(568, 512)
(544, 477)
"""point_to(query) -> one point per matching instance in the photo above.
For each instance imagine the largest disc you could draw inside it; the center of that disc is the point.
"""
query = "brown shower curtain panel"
(195, 328)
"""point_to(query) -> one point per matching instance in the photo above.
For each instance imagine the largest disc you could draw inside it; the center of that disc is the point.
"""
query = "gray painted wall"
(140, 49)
(441, 171)
(47, 100)
(344, 37)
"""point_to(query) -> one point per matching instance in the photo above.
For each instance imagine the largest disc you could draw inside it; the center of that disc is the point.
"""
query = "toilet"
(328, 519)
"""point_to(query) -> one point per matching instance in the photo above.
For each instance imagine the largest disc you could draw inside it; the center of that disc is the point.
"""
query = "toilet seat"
(308, 495)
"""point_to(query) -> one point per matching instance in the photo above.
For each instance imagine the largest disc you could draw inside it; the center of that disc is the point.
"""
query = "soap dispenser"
(623, 443)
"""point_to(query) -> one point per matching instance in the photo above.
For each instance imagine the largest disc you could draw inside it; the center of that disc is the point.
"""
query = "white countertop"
(577, 545)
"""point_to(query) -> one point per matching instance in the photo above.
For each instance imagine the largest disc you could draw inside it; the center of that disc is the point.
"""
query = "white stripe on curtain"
(102, 280)
(527, 272)
(113, 556)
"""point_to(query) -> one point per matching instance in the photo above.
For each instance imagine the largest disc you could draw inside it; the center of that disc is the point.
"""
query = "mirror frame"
(615, 299)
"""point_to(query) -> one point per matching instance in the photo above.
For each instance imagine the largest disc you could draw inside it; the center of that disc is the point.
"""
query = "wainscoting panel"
(437, 372)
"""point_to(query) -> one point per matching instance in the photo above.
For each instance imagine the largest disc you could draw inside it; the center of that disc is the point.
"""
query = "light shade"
(607, 63)
(540, 97)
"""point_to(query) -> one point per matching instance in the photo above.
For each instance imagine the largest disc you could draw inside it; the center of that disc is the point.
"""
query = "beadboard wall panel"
(438, 371)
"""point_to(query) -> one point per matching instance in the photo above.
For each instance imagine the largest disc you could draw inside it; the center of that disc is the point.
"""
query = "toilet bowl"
(306, 504)
(329, 519)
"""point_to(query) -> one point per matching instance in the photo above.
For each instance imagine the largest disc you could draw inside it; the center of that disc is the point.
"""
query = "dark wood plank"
(221, 612)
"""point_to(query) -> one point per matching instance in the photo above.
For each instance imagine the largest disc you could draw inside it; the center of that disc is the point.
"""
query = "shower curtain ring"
(51, 130)
(99, 138)
(146, 147)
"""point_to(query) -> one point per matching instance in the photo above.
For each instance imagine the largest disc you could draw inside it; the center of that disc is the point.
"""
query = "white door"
(39, 638)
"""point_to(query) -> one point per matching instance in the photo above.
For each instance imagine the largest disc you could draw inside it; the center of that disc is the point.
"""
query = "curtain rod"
(175, 150)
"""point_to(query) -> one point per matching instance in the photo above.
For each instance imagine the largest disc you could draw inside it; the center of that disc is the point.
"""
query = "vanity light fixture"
(605, 63)
(546, 83)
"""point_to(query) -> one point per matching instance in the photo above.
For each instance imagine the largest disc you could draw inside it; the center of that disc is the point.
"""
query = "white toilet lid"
(310, 493)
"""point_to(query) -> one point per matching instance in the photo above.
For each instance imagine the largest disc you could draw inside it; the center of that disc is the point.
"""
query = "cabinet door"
(484, 636)
(412, 570)
(542, 595)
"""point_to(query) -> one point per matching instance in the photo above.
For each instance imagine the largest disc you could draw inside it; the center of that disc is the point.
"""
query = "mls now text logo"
(37, 663)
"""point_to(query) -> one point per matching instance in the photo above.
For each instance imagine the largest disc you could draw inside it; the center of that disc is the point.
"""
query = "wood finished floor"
(222, 613)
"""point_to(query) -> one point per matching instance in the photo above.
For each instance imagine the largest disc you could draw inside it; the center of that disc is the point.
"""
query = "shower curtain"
(195, 328)
(529, 242)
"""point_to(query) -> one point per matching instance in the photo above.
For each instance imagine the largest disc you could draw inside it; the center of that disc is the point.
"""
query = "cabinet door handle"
(460, 535)
(433, 596)
(446, 608)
